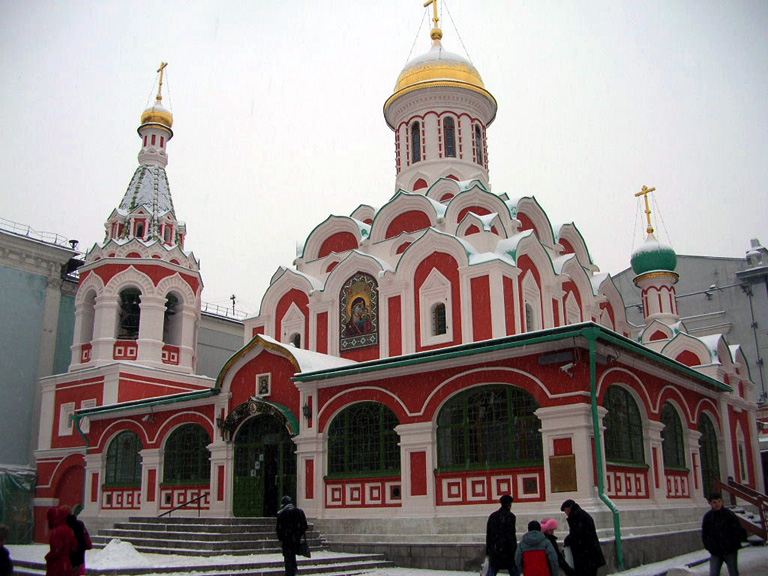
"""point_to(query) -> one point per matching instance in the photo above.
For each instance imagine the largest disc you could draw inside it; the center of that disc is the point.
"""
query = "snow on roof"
(308, 360)
(148, 187)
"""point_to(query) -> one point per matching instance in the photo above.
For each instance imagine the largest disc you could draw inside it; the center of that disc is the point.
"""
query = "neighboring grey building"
(719, 295)
(37, 319)
(219, 337)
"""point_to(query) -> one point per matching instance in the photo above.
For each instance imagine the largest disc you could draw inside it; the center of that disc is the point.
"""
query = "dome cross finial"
(644, 191)
(436, 33)
(160, 84)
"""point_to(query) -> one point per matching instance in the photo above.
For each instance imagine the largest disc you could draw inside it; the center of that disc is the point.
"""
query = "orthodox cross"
(435, 17)
(234, 299)
(644, 191)
(160, 86)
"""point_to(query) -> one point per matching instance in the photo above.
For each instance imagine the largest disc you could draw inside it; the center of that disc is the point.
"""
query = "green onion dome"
(653, 256)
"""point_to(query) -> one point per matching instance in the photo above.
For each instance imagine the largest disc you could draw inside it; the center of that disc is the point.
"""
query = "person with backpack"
(535, 555)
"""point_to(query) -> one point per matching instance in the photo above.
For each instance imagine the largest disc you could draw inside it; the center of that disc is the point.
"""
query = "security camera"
(566, 367)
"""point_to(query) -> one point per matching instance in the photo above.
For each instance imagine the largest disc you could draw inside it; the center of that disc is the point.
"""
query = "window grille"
(187, 459)
(489, 426)
(123, 460)
(623, 428)
(362, 441)
(672, 437)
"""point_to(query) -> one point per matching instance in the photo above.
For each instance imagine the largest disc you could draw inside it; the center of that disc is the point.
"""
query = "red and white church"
(419, 360)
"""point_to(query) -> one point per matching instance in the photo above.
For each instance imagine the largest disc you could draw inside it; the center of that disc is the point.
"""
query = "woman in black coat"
(582, 539)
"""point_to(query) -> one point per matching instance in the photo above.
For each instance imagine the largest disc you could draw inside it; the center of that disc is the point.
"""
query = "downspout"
(76, 419)
(591, 336)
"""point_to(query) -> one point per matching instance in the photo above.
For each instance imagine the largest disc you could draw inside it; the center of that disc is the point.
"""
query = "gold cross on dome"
(160, 85)
(435, 17)
(644, 191)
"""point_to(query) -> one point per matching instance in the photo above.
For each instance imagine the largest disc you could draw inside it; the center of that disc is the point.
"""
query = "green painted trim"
(160, 401)
(584, 330)
(284, 410)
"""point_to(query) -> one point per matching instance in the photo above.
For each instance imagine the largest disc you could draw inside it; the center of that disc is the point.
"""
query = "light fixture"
(307, 411)
(220, 422)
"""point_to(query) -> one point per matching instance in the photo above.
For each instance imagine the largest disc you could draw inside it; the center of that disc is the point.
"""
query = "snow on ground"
(753, 561)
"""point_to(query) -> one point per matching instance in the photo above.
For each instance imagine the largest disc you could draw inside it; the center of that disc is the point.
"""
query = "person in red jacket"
(62, 542)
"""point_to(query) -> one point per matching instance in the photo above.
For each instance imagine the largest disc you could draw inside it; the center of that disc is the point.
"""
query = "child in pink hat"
(548, 527)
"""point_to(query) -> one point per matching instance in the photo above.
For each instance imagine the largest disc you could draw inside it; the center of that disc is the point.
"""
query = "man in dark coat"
(722, 534)
(500, 539)
(291, 526)
(582, 539)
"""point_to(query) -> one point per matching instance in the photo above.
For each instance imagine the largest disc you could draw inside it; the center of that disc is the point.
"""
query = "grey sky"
(278, 116)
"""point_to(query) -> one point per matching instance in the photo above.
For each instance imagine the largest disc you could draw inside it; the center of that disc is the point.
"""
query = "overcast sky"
(278, 116)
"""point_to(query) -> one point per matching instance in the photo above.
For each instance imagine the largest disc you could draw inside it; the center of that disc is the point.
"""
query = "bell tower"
(138, 300)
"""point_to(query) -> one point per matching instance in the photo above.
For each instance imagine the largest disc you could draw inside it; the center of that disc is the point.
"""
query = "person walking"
(77, 558)
(535, 555)
(62, 544)
(722, 534)
(501, 539)
(291, 526)
(548, 527)
(582, 539)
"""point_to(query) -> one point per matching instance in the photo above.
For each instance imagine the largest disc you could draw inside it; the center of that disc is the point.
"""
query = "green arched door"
(265, 466)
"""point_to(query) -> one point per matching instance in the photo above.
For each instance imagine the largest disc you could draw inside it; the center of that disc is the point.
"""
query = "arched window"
(672, 437)
(709, 452)
(439, 325)
(362, 440)
(187, 459)
(415, 142)
(130, 314)
(87, 316)
(123, 460)
(491, 426)
(623, 428)
(296, 340)
(172, 320)
(479, 145)
(449, 135)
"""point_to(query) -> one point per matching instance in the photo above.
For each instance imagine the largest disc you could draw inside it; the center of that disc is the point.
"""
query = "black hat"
(567, 504)
(534, 525)
(506, 499)
(286, 500)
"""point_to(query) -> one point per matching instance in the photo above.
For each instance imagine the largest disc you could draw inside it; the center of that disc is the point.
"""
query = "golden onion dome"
(157, 114)
(438, 68)
(438, 65)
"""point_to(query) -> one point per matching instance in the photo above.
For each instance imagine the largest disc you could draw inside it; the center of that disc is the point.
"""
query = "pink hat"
(548, 524)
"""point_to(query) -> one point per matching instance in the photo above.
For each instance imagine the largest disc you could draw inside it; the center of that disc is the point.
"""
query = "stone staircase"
(217, 537)
(201, 536)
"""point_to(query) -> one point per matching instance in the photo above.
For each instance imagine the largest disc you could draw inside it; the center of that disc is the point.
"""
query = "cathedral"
(418, 360)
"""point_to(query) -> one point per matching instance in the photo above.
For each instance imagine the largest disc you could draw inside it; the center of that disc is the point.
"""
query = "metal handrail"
(751, 496)
(187, 503)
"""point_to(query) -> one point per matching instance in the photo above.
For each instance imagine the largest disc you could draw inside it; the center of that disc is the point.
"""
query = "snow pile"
(117, 554)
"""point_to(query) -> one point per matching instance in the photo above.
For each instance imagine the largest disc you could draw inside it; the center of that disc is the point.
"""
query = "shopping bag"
(568, 554)
(304, 548)
(484, 567)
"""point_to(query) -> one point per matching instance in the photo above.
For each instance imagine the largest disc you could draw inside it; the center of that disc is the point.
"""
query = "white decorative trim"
(435, 290)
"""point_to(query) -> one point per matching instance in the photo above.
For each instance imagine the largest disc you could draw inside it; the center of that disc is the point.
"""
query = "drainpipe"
(591, 336)
(76, 420)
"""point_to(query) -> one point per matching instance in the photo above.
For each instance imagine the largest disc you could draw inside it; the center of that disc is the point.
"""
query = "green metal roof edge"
(285, 411)
(159, 401)
(585, 329)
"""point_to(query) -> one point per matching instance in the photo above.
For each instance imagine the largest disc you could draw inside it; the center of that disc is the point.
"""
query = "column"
(417, 461)
(151, 329)
(222, 459)
(565, 431)
(657, 478)
(104, 328)
(151, 474)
